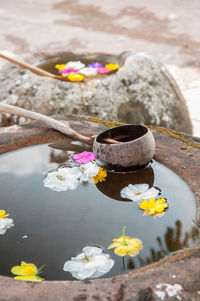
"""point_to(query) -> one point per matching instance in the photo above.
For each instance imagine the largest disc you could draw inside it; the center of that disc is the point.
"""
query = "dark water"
(60, 224)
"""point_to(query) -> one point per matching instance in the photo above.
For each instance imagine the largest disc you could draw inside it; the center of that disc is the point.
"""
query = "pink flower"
(103, 70)
(68, 71)
(84, 157)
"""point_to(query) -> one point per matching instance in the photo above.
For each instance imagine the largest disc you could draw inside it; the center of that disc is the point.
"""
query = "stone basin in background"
(177, 151)
(141, 92)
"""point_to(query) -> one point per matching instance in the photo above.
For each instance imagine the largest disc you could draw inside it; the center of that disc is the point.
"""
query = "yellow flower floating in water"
(112, 67)
(27, 272)
(3, 214)
(75, 77)
(154, 207)
(101, 176)
(60, 66)
(126, 246)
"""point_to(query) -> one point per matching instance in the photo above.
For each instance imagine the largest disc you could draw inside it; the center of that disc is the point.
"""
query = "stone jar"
(141, 92)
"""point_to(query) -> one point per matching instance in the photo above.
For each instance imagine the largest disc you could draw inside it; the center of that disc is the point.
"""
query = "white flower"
(139, 192)
(89, 264)
(89, 170)
(172, 290)
(63, 179)
(88, 71)
(5, 224)
(75, 65)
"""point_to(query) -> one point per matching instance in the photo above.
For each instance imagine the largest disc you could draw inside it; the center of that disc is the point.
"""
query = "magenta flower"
(95, 65)
(67, 71)
(84, 157)
(103, 70)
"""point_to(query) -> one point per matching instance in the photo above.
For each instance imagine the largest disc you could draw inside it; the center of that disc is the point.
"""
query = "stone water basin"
(112, 212)
(49, 63)
(65, 222)
(141, 91)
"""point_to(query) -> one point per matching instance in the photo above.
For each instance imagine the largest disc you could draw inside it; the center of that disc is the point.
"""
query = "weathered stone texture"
(142, 91)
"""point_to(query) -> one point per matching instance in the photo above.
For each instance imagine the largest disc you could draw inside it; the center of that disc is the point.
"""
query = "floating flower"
(153, 206)
(63, 179)
(75, 77)
(5, 224)
(60, 66)
(89, 170)
(75, 64)
(139, 192)
(68, 71)
(101, 176)
(91, 263)
(88, 71)
(126, 246)
(96, 65)
(27, 272)
(84, 157)
(112, 67)
(3, 214)
(103, 70)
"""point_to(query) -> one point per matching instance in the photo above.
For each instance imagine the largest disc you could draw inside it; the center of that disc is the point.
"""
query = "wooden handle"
(53, 123)
(33, 69)
(27, 66)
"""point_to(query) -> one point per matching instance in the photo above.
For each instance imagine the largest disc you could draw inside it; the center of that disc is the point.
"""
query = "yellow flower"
(100, 177)
(60, 66)
(153, 206)
(27, 272)
(75, 77)
(126, 246)
(112, 67)
(3, 214)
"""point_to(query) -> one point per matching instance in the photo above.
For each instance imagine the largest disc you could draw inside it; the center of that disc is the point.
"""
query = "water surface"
(60, 224)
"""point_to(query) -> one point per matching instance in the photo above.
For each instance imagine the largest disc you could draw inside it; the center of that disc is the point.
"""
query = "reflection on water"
(59, 156)
(115, 182)
(57, 225)
(172, 241)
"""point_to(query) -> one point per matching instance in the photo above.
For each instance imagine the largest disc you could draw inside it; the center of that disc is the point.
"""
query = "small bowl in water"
(137, 146)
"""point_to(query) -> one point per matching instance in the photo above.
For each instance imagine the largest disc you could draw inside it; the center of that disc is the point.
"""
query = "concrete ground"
(168, 30)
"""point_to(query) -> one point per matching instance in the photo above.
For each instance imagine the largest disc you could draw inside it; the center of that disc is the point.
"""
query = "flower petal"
(17, 270)
(138, 192)
(134, 252)
(5, 224)
(89, 170)
(92, 251)
(29, 278)
(103, 263)
(83, 275)
(120, 251)
(73, 266)
(113, 245)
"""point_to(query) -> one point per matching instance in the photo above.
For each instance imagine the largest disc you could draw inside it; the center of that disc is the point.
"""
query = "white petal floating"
(88, 71)
(89, 170)
(139, 192)
(5, 224)
(91, 263)
(75, 65)
(63, 179)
